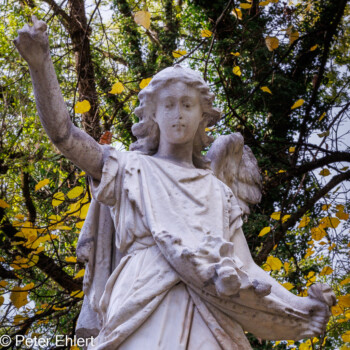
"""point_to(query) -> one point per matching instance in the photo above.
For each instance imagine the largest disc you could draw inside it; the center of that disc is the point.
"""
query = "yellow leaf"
(205, 33)
(264, 3)
(304, 346)
(54, 218)
(274, 263)
(311, 276)
(266, 89)
(325, 172)
(344, 169)
(344, 282)
(19, 297)
(285, 218)
(317, 233)
(3, 284)
(322, 116)
(3, 204)
(145, 82)
(77, 294)
(298, 104)
(291, 149)
(72, 259)
(143, 18)
(325, 207)
(237, 71)
(264, 231)
(327, 270)
(346, 337)
(63, 227)
(237, 13)
(286, 266)
(303, 293)
(245, 6)
(236, 54)
(342, 216)
(276, 215)
(336, 310)
(75, 192)
(79, 224)
(2, 299)
(304, 221)
(84, 211)
(288, 285)
(58, 198)
(18, 319)
(179, 53)
(41, 184)
(293, 36)
(309, 252)
(272, 43)
(266, 267)
(79, 274)
(58, 308)
(340, 207)
(344, 300)
(74, 347)
(308, 7)
(329, 222)
(82, 107)
(281, 171)
(332, 246)
(323, 134)
(117, 88)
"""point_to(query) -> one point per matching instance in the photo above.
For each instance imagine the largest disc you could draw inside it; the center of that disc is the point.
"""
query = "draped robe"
(156, 235)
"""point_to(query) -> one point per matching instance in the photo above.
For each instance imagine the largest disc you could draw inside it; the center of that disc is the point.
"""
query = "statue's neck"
(180, 154)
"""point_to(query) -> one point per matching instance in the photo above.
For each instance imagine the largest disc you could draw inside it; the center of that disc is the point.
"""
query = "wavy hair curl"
(147, 131)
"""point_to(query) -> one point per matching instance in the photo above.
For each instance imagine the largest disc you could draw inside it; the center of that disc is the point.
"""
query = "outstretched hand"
(33, 43)
(321, 299)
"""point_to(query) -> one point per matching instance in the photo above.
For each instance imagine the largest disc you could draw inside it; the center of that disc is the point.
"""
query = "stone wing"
(234, 164)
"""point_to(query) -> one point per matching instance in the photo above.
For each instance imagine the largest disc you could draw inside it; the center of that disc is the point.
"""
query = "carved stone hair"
(147, 130)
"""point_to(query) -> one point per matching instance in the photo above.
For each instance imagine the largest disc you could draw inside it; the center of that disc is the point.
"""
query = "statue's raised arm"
(33, 45)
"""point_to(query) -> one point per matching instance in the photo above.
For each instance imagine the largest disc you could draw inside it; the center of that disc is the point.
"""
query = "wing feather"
(235, 164)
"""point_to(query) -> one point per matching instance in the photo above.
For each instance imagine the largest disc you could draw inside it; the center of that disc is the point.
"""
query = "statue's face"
(178, 113)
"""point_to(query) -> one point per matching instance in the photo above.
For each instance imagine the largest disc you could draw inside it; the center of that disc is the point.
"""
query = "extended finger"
(24, 29)
(39, 25)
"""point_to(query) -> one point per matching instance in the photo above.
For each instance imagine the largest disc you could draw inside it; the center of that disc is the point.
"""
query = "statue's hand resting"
(33, 43)
(321, 299)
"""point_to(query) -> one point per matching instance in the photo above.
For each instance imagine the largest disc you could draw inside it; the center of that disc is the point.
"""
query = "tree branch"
(280, 232)
(27, 197)
(45, 263)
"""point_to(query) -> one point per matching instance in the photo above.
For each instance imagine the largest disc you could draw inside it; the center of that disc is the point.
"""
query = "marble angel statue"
(167, 263)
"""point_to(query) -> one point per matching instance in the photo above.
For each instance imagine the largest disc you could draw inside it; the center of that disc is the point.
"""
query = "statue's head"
(147, 130)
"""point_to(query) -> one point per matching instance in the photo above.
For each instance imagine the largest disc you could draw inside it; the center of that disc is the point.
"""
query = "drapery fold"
(181, 222)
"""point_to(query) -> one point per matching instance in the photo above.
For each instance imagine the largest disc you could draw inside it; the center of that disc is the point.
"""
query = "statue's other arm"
(317, 310)
(33, 45)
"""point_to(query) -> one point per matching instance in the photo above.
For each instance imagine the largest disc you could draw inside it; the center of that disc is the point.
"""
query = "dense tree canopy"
(280, 72)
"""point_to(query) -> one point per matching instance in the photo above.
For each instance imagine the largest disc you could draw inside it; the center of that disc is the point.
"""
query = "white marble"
(167, 263)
